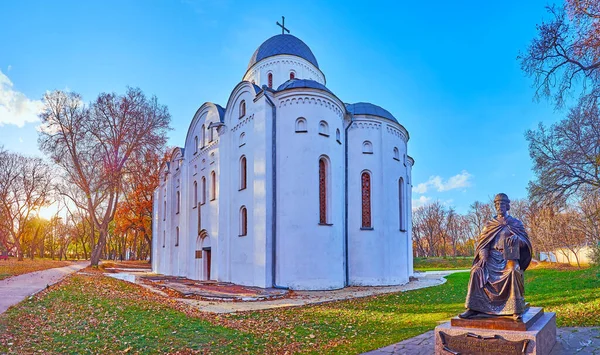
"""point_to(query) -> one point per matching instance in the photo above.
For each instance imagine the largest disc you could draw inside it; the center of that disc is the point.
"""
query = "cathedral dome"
(365, 108)
(302, 83)
(283, 44)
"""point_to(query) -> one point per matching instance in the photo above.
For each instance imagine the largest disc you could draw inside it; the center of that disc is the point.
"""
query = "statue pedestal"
(535, 334)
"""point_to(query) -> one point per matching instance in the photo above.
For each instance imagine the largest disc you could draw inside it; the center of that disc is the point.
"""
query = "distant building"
(287, 185)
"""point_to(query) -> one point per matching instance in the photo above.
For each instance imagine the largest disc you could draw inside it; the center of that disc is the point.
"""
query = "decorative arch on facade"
(203, 194)
(270, 80)
(367, 147)
(176, 236)
(243, 172)
(323, 128)
(242, 108)
(243, 221)
(365, 183)
(338, 136)
(396, 153)
(213, 185)
(401, 207)
(195, 193)
(301, 124)
(292, 75)
(324, 190)
(242, 139)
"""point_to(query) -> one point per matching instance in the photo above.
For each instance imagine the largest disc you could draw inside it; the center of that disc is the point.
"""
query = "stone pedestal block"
(538, 339)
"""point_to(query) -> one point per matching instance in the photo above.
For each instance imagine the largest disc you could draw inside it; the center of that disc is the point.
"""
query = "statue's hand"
(512, 240)
(484, 254)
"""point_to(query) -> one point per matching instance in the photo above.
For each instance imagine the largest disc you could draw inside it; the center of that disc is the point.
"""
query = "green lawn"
(94, 314)
(439, 263)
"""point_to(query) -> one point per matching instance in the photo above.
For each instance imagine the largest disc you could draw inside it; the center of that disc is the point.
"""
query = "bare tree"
(94, 144)
(25, 185)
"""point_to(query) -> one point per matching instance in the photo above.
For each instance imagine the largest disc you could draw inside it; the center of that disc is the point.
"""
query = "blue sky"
(446, 70)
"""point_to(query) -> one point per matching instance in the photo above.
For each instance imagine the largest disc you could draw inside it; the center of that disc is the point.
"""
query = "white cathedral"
(287, 186)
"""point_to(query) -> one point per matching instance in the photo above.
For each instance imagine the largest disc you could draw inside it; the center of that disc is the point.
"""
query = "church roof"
(283, 44)
(365, 108)
(302, 83)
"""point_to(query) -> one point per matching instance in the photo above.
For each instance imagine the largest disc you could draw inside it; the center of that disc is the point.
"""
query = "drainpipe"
(347, 278)
(274, 187)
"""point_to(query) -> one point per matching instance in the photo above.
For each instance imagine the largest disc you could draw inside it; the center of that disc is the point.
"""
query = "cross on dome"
(282, 25)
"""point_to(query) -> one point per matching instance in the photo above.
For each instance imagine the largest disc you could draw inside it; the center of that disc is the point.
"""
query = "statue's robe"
(496, 287)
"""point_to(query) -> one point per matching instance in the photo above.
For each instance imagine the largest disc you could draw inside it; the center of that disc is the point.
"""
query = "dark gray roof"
(283, 44)
(221, 112)
(365, 108)
(302, 83)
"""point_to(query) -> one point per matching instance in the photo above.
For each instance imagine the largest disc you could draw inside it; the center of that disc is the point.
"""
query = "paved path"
(569, 341)
(15, 289)
(301, 298)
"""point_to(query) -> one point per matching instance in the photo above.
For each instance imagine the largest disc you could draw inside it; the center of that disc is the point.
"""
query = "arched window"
(243, 221)
(176, 236)
(323, 128)
(301, 124)
(292, 75)
(337, 136)
(396, 153)
(165, 210)
(195, 194)
(270, 80)
(242, 139)
(324, 193)
(178, 202)
(203, 196)
(366, 199)
(164, 238)
(243, 173)
(242, 108)
(367, 147)
(195, 144)
(203, 138)
(401, 204)
(213, 186)
(211, 132)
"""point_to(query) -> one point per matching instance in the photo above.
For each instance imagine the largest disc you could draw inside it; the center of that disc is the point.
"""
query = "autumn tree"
(25, 185)
(94, 145)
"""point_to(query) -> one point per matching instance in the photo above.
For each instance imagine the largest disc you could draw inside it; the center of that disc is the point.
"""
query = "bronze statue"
(503, 252)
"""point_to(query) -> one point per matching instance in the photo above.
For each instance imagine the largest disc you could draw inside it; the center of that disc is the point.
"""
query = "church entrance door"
(207, 257)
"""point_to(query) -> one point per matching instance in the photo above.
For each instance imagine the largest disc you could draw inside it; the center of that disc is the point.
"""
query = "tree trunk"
(98, 248)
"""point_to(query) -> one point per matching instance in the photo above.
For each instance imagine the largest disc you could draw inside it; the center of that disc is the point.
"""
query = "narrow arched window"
(323, 128)
(243, 221)
(243, 173)
(211, 133)
(396, 153)
(213, 186)
(301, 124)
(366, 199)
(367, 147)
(270, 80)
(164, 238)
(292, 75)
(195, 144)
(338, 136)
(401, 204)
(323, 190)
(242, 108)
(195, 194)
(242, 139)
(203, 196)
(165, 210)
(178, 202)
(176, 236)
(203, 137)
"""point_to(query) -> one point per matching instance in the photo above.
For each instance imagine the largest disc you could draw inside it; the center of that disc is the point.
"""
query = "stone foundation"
(540, 337)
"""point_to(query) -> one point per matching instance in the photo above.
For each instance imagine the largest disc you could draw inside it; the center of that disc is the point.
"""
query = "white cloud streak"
(16, 108)
(455, 182)
(421, 201)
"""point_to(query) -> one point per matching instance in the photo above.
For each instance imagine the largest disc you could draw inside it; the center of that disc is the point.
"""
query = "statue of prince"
(503, 252)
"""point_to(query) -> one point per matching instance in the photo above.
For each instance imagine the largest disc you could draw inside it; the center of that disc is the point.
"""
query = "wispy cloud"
(16, 108)
(455, 182)
(421, 201)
